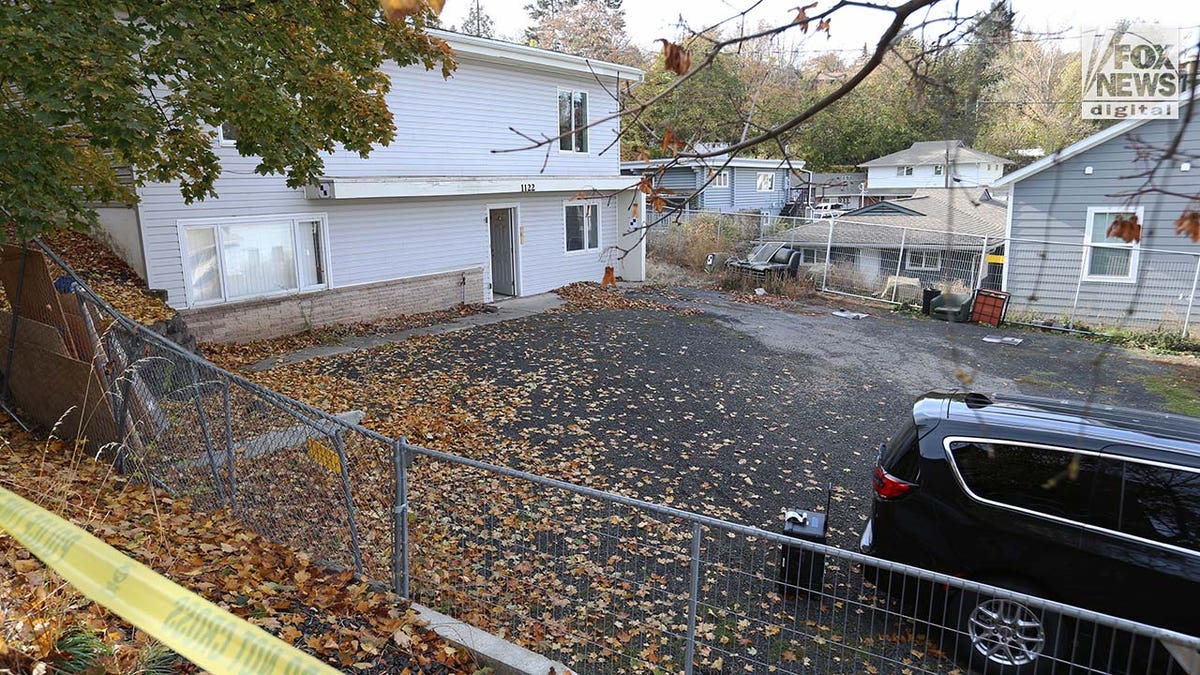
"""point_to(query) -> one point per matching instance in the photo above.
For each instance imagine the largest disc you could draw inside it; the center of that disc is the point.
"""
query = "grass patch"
(1180, 393)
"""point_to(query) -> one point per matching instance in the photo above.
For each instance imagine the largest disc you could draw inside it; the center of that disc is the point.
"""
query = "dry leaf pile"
(234, 356)
(323, 611)
(109, 276)
(590, 295)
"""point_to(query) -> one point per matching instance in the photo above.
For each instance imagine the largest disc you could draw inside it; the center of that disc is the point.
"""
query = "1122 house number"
(528, 187)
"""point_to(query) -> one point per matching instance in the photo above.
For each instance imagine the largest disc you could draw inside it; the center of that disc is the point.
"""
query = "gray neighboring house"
(745, 184)
(1062, 266)
(934, 236)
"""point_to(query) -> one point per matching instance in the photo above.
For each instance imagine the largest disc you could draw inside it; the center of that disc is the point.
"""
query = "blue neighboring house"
(738, 185)
(1061, 264)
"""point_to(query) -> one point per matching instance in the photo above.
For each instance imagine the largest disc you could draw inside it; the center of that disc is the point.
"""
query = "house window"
(811, 256)
(246, 258)
(765, 182)
(721, 180)
(1109, 258)
(227, 134)
(939, 169)
(572, 121)
(904, 171)
(583, 225)
(924, 261)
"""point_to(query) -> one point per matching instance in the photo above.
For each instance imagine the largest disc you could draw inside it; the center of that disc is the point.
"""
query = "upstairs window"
(582, 225)
(572, 121)
(227, 134)
(1109, 258)
(765, 181)
(904, 171)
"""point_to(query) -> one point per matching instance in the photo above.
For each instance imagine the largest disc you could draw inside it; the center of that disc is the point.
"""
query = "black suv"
(1088, 505)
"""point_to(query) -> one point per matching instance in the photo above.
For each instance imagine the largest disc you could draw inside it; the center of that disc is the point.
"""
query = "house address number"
(528, 187)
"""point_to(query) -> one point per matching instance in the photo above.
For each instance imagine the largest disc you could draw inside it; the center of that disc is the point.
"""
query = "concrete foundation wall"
(264, 318)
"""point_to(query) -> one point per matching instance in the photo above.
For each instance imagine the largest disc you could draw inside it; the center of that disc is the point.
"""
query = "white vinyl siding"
(1109, 258)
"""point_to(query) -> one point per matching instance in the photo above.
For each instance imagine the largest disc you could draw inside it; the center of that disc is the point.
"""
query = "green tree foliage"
(478, 22)
(87, 87)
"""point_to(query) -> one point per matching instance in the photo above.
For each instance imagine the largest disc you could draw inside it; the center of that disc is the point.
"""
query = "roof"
(712, 163)
(488, 48)
(935, 152)
(1081, 146)
(945, 218)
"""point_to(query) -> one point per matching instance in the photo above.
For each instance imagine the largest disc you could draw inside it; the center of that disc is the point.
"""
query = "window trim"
(221, 140)
(721, 179)
(904, 170)
(1133, 247)
(596, 204)
(587, 130)
(908, 260)
(182, 225)
(758, 180)
(946, 442)
(939, 169)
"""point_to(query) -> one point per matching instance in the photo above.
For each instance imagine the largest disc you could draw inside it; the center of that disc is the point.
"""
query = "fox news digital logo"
(1131, 73)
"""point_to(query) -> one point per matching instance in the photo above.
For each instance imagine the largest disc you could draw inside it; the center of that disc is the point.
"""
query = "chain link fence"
(1052, 283)
(603, 582)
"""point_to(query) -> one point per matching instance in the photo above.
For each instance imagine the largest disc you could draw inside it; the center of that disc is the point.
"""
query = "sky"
(648, 20)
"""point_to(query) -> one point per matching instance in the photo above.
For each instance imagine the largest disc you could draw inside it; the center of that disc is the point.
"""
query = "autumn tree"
(88, 87)
(591, 28)
(540, 10)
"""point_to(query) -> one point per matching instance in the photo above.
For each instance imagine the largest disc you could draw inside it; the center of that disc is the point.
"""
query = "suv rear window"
(1053, 482)
(901, 457)
(1158, 503)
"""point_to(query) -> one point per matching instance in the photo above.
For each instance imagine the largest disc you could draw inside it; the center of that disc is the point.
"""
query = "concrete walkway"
(505, 310)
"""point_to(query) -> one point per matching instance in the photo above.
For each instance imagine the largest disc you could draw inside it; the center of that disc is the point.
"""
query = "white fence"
(1051, 283)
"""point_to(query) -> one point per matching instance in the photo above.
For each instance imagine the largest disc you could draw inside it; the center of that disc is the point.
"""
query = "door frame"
(514, 234)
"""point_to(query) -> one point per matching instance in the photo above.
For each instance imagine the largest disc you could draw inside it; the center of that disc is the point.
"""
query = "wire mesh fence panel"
(1098, 288)
(610, 585)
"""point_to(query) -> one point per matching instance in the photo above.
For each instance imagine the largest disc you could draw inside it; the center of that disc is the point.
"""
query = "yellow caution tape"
(195, 628)
(324, 456)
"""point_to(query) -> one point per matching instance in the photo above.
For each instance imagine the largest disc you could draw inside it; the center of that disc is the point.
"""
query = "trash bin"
(800, 569)
(927, 296)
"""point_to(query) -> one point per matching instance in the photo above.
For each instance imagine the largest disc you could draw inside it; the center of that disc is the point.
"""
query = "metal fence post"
(983, 263)
(229, 446)
(899, 262)
(1083, 257)
(400, 524)
(1187, 318)
(828, 256)
(205, 432)
(349, 497)
(693, 599)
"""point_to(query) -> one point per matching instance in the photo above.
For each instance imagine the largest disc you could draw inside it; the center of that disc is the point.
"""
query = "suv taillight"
(888, 486)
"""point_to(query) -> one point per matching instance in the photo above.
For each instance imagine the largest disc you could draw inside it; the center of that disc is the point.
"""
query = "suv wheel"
(1002, 635)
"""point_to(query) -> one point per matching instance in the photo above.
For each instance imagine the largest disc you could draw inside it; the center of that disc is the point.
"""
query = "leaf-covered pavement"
(343, 621)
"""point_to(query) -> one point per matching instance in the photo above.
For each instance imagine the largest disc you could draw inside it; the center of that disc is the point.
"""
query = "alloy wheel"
(1006, 632)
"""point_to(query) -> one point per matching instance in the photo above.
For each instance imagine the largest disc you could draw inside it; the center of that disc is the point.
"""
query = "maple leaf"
(1188, 225)
(676, 58)
(1125, 227)
(802, 16)
(398, 10)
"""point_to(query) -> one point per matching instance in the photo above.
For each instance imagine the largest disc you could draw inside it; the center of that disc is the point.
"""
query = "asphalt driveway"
(731, 409)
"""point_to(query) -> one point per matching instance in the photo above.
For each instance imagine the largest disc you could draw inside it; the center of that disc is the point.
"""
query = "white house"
(932, 164)
(435, 219)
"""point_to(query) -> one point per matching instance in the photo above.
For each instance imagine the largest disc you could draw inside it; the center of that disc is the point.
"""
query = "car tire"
(1000, 636)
